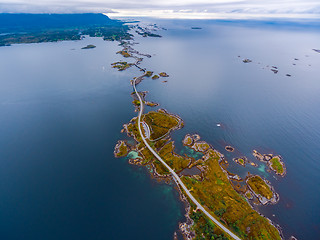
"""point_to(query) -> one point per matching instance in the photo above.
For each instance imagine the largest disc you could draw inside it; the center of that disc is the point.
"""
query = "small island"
(148, 73)
(155, 77)
(124, 53)
(121, 66)
(241, 161)
(275, 163)
(163, 74)
(263, 191)
(277, 166)
(90, 46)
(247, 60)
(121, 149)
(229, 148)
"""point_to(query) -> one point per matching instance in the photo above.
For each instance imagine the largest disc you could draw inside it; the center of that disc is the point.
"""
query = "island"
(241, 161)
(277, 166)
(121, 149)
(163, 74)
(121, 65)
(124, 54)
(229, 148)
(90, 46)
(274, 163)
(262, 190)
(155, 77)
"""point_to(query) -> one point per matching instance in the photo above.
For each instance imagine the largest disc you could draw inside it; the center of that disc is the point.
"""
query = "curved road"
(175, 176)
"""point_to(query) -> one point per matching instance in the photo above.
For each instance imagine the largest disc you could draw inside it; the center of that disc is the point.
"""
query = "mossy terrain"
(160, 123)
(241, 161)
(155, 77)
(148, 74)
(259, 186)
(136, 103)
(121, 149)
(213, 189)
(277, 165)
(163, 74)
(124, 53)
(121, 65)
(204, 228)
(187, 140)
(151, 104)
(217, 194)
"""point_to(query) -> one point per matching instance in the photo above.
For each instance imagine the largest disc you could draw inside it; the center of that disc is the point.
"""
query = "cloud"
(172, 8)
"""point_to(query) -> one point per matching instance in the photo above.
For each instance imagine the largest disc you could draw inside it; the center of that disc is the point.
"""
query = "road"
(175, 176)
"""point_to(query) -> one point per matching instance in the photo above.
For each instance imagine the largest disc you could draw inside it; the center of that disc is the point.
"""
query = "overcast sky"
(172, 8)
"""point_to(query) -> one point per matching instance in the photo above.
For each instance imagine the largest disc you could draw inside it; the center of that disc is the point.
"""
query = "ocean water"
(62, 109)
(61, 112)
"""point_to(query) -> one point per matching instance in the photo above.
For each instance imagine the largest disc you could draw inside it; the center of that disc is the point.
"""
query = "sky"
(197, 9)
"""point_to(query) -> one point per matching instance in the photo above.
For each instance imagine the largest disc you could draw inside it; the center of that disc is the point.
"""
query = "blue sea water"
(62, 109)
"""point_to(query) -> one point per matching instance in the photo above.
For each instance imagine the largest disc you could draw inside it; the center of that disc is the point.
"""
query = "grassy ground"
(260, 187)
(276, 165)
(159, 123)
(124, 53)
(123, 149)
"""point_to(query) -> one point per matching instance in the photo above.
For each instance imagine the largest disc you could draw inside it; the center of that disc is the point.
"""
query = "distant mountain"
(35, 22)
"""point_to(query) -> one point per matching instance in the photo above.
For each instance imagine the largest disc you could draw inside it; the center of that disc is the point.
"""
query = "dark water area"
(61, 112)
(62, 109)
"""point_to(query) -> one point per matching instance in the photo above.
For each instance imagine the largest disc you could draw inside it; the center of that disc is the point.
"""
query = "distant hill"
(35, 22)
(35, 28)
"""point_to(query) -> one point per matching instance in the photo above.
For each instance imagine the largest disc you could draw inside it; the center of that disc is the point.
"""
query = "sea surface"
(62, 109)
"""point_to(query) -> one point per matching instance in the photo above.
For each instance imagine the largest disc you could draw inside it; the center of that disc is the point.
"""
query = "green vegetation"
(136, 103)
(155, 77)
(187, 141)
(148, 74)
(89, 46)
(216, 193)
(163, 74)
(121, 65)
(124, 54)
(277, 165)
(160, 123)
(241, 161)
(121, 149)
(201, 146)
(175, 161)
(204, 228)
(151, 104)
(260, 187)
